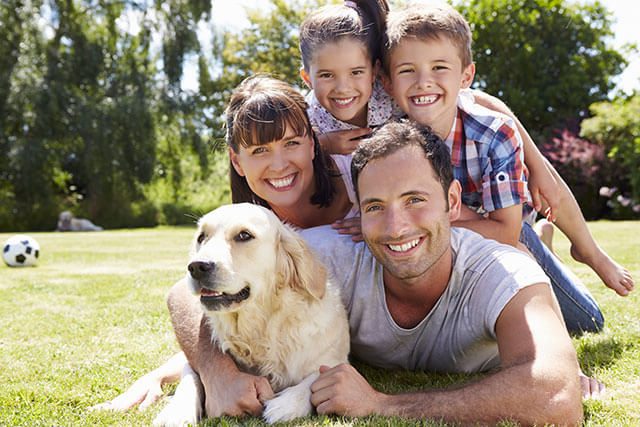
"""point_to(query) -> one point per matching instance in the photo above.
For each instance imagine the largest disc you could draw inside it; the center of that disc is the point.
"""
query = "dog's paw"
(285, 407)
(290, 403)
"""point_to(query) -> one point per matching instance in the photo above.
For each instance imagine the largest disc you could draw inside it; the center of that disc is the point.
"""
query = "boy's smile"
(425, 77)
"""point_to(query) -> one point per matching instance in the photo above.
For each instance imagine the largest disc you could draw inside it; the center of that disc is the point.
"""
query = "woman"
(277, 162)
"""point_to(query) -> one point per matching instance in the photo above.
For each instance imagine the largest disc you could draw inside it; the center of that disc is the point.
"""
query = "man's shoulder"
(477, 253)
(330, 245)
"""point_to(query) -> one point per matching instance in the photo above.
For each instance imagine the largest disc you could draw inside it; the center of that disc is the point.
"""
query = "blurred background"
(114, 109)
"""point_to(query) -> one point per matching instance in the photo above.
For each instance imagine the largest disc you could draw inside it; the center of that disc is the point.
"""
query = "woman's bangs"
(269, 123)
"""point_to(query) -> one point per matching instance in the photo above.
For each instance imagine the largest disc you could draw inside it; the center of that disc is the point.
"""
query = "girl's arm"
(342, 141)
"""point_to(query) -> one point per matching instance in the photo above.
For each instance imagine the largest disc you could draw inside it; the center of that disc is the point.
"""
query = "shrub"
(584, 166)
(616, 127)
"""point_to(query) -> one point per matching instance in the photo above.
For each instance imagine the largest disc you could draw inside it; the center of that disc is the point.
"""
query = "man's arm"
(502, 225)
(228, 391)
(537, 383)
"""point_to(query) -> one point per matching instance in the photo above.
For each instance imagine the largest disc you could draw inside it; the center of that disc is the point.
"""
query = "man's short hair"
(393, 136)
(428, 22)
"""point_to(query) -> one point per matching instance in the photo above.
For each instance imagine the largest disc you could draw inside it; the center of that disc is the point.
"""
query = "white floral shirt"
(381, 109)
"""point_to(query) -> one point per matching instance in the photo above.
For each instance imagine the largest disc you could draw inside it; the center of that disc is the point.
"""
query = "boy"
(427, 63)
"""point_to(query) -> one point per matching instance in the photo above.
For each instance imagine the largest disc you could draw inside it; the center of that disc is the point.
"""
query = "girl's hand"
(349, 226)
(342, 141)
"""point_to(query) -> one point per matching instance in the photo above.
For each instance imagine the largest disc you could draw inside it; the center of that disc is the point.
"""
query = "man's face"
(405, 220)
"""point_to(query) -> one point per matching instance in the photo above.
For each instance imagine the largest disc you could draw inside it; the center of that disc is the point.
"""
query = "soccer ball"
(20, 251)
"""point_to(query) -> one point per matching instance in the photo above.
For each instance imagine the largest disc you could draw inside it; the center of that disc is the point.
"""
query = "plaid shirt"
(487, 158)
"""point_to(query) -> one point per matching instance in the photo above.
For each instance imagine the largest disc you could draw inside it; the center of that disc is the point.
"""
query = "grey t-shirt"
(458, 335)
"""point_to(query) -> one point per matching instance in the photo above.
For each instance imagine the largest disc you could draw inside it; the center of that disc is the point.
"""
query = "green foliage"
(82, 102)
(548, 59)
(616, 126)
(91, 318)
(268, 45)
(93, 117)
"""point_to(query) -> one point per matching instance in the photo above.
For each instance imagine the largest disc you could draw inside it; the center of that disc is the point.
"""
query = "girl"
(341, 48)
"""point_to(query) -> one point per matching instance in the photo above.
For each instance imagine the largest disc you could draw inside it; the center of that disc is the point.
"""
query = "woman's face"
(280, 172)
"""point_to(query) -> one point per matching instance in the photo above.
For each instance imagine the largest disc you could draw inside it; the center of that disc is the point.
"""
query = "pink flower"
(624, 201)
(607, 192)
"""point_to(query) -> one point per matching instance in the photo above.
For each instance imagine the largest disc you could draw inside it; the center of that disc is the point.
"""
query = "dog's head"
(243, 253)
(64, 220)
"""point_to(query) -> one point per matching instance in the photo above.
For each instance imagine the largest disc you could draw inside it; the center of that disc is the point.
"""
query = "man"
(420, 295)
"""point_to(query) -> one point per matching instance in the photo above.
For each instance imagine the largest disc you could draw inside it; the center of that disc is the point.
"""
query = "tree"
(616, 126)
(268, 45)
(81, 97)
(548, 59)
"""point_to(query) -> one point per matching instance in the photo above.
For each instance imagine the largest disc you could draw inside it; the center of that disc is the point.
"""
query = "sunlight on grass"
(91, 318)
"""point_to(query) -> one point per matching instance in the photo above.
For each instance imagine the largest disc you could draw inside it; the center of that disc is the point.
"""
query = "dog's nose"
(199, 269)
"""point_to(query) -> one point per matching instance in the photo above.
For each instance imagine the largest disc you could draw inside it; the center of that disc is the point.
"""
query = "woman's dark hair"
(361, 20)
(260, 111)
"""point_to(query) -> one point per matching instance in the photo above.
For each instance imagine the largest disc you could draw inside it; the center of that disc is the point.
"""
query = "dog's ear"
(298, 265)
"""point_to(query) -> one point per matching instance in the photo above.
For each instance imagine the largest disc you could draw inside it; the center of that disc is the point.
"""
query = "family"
(419, 196)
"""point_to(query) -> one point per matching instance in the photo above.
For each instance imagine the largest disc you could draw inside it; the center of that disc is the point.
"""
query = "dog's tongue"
(209, 293)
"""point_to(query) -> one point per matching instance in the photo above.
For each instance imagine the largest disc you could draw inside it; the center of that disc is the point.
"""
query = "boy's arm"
(537, 383)
(227, 390)
(543, 179)
(502, 225)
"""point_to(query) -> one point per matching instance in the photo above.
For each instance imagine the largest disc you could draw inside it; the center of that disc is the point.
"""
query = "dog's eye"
(200, 238)
(243, 236)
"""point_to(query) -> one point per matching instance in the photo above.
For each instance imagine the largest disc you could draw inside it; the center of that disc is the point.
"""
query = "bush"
(616, 127)
(585, 168)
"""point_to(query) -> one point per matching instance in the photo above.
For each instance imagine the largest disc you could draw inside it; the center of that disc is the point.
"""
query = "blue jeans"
(580, 311)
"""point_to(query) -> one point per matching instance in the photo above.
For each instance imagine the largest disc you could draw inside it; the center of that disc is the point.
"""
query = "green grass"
(91, 318)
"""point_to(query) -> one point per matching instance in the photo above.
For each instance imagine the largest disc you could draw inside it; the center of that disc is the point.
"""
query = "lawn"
(90, 319)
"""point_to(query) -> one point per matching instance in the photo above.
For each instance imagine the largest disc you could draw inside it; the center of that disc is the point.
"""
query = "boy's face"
(341, 76)
(424, 78)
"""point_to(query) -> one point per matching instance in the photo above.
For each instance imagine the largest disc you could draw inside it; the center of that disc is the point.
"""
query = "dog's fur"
(269, 306)
(67, 222)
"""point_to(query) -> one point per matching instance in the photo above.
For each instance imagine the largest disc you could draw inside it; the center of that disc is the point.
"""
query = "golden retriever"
(269, 306)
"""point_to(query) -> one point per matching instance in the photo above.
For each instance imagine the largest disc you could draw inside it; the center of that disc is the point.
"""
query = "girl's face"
(341, 76)
(280, 172)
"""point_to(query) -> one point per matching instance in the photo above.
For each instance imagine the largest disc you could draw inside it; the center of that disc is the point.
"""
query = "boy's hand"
(349, 226)
(468, 214)
(342, 141)
(545, 189)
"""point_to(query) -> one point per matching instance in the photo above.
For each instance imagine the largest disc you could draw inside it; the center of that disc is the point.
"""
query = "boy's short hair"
(395, 135)
(427, 22)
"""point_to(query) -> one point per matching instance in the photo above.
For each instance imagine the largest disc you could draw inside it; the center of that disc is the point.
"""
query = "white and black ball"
(20, 251)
